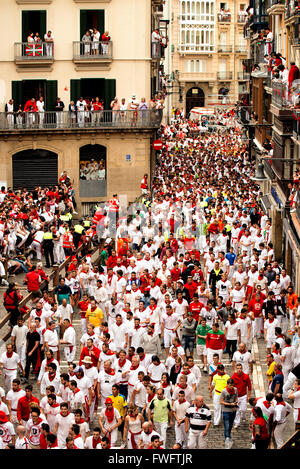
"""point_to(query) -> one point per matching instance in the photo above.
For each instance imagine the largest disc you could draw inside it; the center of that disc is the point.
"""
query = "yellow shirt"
(220, 382)
(119, 403)
(270, 372)
(94, 317)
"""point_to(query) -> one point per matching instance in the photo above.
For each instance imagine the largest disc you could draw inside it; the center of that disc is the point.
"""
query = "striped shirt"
(199, 417)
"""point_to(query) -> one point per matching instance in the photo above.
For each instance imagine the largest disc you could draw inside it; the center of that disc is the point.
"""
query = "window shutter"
(101, 23)
(51, 94)
(75, 91)
(25, 25)
(17, 93)
(110, 92)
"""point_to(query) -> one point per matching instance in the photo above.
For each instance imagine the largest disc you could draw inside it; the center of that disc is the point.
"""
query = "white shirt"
(281, 412)
(20, 334)
(9, 363)
(232, 330)
(64, 424)
(22, 443)
(244, 359)
(270, 328)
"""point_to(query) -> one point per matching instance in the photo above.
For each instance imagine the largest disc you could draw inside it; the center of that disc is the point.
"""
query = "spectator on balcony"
(156, 40)
(96, 39)
(59, 107)
(268, 41)
(87, 41)
(41, 110)
(49, 40)
(72, 112)
(9, 109)
(80, 105)
(242, 15)
(115, 107)
(30, 37)
(97, 111)
(123, 108)
(133, 105)
(105, 40)
(20, 116)
(37, 38)
(143, 108)
(30, 108)
(293, 74)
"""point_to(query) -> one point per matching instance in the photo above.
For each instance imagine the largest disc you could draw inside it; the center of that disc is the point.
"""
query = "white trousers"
(161, 428)
(278, 434)
(180, 434)
(242, 409)
(8, 377)
(70, 354)
(288, 385)
(21, 352)
(38, 249)
(210, 354)
(217, 408)
(196, 438)
(257, 327)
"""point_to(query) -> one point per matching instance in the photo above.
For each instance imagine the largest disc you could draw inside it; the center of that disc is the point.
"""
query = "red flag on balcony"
(33, 50)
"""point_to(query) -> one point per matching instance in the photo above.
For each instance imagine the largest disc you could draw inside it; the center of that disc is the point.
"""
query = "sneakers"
(205, 369)
(235, 426)
(227, 443)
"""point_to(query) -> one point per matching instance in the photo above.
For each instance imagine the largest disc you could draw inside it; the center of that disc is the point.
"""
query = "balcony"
(81, 120)
(92, 52)
(276, 7)
(157, 51)
(241, 18)
(259, 22)
(197, 76)
(31, 53)
(196, 49)
(297, 32)
(224, 49)
(240, 49)
(243, 76)
(224, 17)
(279, 98)
(292, 9)
(224, 76)
(296, 125)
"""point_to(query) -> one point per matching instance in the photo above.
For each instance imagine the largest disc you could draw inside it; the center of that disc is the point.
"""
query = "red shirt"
(33, 283)
(112, 261)
(264, 431)
(83, 305)
(255, 307)
(216, 341)
(175, 274)
(195, 308)
(23, 409)
(242, 382)
(87, 353)
(191, 287)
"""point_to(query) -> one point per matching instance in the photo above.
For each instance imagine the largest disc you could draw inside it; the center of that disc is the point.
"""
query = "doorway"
(194, 98)
(31, 168)
(33, 21)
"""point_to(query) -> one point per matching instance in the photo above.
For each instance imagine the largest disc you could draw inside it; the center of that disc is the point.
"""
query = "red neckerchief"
(152, 309)
(233, 322)
(150, 397)
(220, 374)
(142, 358)
(180, 301)
(51, 378)
(267, 404)
(241, 317)
(119, 324)
(96, 442)
(109, 352)
(109, 279)
(134, 367)
(93, 308)
(271, 320)
(150, 333)
(281, 403)
(164, 385)
(110, 414)
(65, 415)
(121, 362)
(38, 313)
(81, 421)
(230, 391)
(183, 373)
(9, 355)
(78, 436)
(110, 372)
(278, 372)
(156, 364)
(76, 391)
(136, 327)
(55, 404)
(182, 386)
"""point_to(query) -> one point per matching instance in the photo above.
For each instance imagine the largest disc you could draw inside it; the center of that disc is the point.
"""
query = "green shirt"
(104, 257)
(160, 409)
(202, 331)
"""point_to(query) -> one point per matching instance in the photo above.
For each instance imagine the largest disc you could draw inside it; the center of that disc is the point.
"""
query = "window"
(195, 66)
(24, 90)
(90, 19)
(90, 88)
(92, 171)
(33, 21)
(196, 31)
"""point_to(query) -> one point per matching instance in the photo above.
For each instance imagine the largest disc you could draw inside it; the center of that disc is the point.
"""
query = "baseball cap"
(228, 303)
(108, 401)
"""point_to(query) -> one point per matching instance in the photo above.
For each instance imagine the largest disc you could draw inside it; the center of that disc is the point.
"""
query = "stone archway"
(194, 98)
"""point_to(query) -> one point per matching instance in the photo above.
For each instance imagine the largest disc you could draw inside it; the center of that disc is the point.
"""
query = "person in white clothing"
(155, 370)
(12, 398)
(9, 363)
(18, 339)
(69, 341)
(170, 323)
(244, 358)
(109, 421)
(52, 409)
(52, 378)
(51, 338)
(22, 441)
(180, 407)
(63, 421)
(119, 333)
(295, 396)
(269, 330)
(282, 410)
(233, 335)
(287, 357)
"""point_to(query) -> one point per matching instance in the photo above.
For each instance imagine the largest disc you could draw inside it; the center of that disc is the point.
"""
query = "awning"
(265, 201)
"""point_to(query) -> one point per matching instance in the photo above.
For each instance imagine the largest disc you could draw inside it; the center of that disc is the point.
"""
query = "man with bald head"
(147, 433)
(197, 423)
(22, 441)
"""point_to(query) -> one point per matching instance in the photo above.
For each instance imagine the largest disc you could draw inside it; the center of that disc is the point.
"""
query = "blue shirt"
(230, 257)
(278, 379)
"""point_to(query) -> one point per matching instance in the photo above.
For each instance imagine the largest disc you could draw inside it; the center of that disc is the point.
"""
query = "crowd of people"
(84, 112)
(182, 289)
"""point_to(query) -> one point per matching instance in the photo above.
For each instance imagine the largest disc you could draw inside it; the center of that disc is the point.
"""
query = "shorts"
(201, 350)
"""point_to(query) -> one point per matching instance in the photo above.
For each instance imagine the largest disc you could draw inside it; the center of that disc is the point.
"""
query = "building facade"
(206, 53)
(271, 118)
(72, 66)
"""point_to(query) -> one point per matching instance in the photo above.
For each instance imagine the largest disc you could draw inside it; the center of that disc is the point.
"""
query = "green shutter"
(17, 93)
(75, 90)
(43, 22)
(51, 94)
(101, 24)
(25, 25)
(83, 21)
(110, 92)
